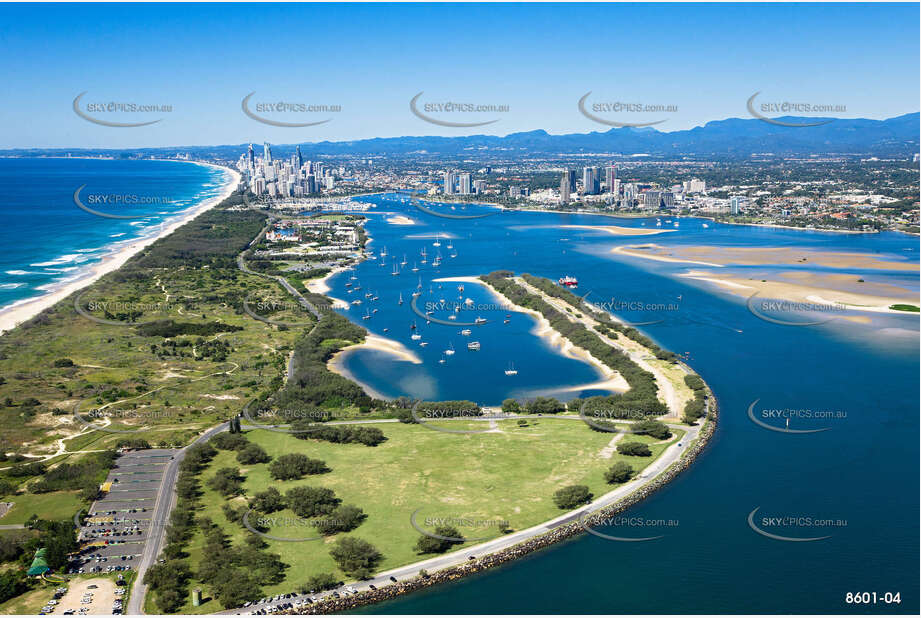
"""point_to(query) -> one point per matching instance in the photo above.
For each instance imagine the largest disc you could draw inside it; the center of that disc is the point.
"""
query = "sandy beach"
(617, 230)
(400, 220)
(16, 314)
(336, 364)
(820, 290)
(609, 380)
(762, 256)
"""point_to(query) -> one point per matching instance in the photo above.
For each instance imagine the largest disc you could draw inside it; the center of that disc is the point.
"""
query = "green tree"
(432, 545)
(620, 472)
(572, 496)
(356, 557)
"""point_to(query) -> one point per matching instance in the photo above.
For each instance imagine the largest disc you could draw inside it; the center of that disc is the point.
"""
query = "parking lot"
(119, 522)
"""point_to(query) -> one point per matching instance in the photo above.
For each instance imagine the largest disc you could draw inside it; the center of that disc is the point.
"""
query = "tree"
(344, 518)
(268, 501)
(229, 441)
(636, 449)
(649, 427)
(432, 545)
(620, 472)
(356, 557)
(227, 481)
(294, 466)
(511, 406)
(311, 501)
(319, 583)
(572, 496)
(252, 454)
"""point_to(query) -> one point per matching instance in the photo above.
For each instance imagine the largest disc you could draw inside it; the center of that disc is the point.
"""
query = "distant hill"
(730, 138)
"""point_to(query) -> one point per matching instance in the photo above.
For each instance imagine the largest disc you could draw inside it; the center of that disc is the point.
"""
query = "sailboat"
(384, 252)
(511, 371)
(450, 350)
(396, 270)
(436, 243)
(403, 263)
(400, 302)
(415, 267)
(450, 245)
(367, 315)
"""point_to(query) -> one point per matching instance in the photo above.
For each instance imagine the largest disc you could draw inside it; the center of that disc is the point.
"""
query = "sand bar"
(25, 310)
(617, 230)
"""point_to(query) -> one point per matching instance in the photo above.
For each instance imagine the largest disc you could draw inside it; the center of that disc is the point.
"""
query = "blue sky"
(371, 59)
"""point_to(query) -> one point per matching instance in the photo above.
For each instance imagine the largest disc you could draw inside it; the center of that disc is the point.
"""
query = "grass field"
(57, 505)
(509, 475)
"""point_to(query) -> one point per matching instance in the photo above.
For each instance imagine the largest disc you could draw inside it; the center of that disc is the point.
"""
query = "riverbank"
(18, 313)
(336, 364)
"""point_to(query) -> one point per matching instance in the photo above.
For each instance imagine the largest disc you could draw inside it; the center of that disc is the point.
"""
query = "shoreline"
(26, 309)
(336, 363)
(609, 379)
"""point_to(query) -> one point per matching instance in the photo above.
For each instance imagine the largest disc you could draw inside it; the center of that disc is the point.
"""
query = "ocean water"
(50, 241)
(862, 472)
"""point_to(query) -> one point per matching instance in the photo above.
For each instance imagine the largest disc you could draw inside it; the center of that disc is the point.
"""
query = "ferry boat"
(568, 281)
(511, 371)
(473, 345)
(480, 321)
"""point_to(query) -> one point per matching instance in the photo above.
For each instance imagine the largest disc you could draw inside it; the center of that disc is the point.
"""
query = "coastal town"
(847, 194)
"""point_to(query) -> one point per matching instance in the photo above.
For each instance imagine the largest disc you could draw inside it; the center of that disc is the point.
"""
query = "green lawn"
(505, 476)
(57, 505)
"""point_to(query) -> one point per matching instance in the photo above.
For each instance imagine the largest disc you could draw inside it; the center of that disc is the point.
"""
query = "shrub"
(636, 449)
(620, 472)
(572, 496)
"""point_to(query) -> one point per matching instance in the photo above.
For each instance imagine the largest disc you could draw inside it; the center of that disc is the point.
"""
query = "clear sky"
(371, 59)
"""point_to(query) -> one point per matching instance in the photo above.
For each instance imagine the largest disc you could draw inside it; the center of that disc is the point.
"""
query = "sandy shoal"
(19, 313)
(400, 220)
(763, 256)
(617, 230)
(821, 290)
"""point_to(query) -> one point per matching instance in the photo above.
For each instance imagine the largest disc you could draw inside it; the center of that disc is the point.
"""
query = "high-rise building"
(668, 199)
(464, 187)
(588, 181)
(610, 176)
(449, 180)
(565, 185)
(266, 154)
(615, 188)
(735, 204)
(251, 157)
(651, 200)
(479, 186)
(572, 180)
(298, 157)
(311, 183)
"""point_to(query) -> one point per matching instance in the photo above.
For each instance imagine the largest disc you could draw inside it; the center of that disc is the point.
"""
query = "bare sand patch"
(103, 596)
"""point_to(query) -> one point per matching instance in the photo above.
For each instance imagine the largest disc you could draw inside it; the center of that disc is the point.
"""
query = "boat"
(374, 311)
(473, 345)
(415, 267)
(468, 301)
(356, 302)
(568, 281)
(506, 320)
(417, 294)
(369, 294)
(354, 278)
(511, 371)
(415, 336)
(386, 330)
(454, 254)
(450, 245)
(442, 361)
(384, 252)
(403, 263)
(348, 284)
(479, 320)
(450, 350)
(460, 288)
(466, 332)
(437, 243)
(375, 297)
(452, 317)
(412, 326)
(396, 270)
(423, 343)
(706, 225)
(366, 316)
(400, 302)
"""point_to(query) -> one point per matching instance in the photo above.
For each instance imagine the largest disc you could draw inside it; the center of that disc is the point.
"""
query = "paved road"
(671, 455)
(166, 498)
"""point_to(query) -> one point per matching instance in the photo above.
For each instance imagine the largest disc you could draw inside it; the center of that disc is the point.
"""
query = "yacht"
(415, 336)
(423, 343)
(480, 321)
(366, 316)
(511, 371)
(450, 350)
(396, 270)
(473, 345)
(403, 263)
(466, 332)
(437, 243)
(415, 267)
(400, 302)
